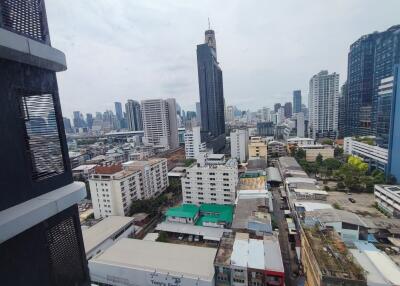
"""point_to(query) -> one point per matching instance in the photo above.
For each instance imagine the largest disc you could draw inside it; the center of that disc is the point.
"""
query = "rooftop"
(84, 167)
(381, 270)
(334, 215)
(185, 210)
(312, 206)
(245, 208)
(252, 180)
(256, 164)
(264, 254)
(108, 170)
(289, 163)
(395, 190)
(273, 174)
(215, 213)
(332, 255)
(161, 257)
(273, 257)
(208, 233)
(139, 164)
(103, 230)
(225, 249)
(215, 156)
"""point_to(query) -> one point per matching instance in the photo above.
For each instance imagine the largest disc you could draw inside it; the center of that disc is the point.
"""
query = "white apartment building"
(113, 189)
(388, 198)
(239, 145)
(211, 184)
(230, 113)
(324, 105)
(299, 141)
(154, 173)
(160, 123)
(280, 116)
(300, 127)
(193, 144)
(375, 156)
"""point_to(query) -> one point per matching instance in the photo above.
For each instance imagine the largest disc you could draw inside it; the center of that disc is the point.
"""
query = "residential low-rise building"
(380, 269)
(388, 199)
(154, 173)
(212, 184)
(326, 260)
(365, 148)
(113, 189)
(258, 147)
(276, 149)
(105, 233)
(298, 141)
(145, 262)
(242, 260)
(313, 151)
(208, 215)
(349, 226)
(83, 171)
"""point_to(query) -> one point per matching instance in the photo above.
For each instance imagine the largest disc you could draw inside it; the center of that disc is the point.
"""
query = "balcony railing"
(25, 17)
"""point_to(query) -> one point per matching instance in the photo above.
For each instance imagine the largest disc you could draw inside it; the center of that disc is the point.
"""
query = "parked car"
(352, 200)
(180, 237)
(196, 238)
(190, 238)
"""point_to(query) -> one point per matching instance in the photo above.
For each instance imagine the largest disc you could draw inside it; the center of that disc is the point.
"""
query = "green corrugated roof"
(214, 208)
(186, 210)
(215, 213)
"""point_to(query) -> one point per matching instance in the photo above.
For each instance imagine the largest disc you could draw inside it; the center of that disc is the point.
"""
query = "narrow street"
(283, 238)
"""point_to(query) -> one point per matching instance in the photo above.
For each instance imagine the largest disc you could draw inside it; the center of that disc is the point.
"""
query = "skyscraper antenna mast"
(209, 26)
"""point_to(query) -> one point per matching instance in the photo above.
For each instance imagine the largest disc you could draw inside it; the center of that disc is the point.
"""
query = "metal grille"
(65, 257)
(43, 138)
(24, 17)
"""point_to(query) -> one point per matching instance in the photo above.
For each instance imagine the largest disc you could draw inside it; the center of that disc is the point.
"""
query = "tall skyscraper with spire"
(211, 93)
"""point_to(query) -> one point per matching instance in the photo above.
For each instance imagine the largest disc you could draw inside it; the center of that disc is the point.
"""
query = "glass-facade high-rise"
(393, 167)
(387, 54)
(133, 115)
(211, 93)
(371, 58)
(296, 101)
(384, 110)
(342, 110)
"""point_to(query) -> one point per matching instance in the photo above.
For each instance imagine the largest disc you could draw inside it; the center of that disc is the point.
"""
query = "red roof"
(108, 170)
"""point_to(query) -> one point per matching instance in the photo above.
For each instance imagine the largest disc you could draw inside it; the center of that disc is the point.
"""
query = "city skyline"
(135, 69)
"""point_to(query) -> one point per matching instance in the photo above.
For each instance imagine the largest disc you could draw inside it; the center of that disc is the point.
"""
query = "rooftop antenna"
(209, 26)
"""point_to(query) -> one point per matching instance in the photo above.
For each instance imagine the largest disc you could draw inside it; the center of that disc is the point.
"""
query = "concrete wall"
(119, 275)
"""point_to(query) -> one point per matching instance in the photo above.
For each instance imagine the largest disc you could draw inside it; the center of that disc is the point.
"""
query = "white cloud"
(122, 49)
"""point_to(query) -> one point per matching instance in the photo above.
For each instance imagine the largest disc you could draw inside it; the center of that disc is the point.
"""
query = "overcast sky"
(124, 49)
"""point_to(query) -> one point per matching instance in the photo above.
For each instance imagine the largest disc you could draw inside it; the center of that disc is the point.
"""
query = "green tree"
(338, 152)
(300, 154)
(162, 237)
(189, 162)
(319, 160)
(327, 142)
(174, 186)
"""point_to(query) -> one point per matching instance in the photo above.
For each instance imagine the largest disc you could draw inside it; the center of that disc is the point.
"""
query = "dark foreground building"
(40, 235)
(211, 93)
